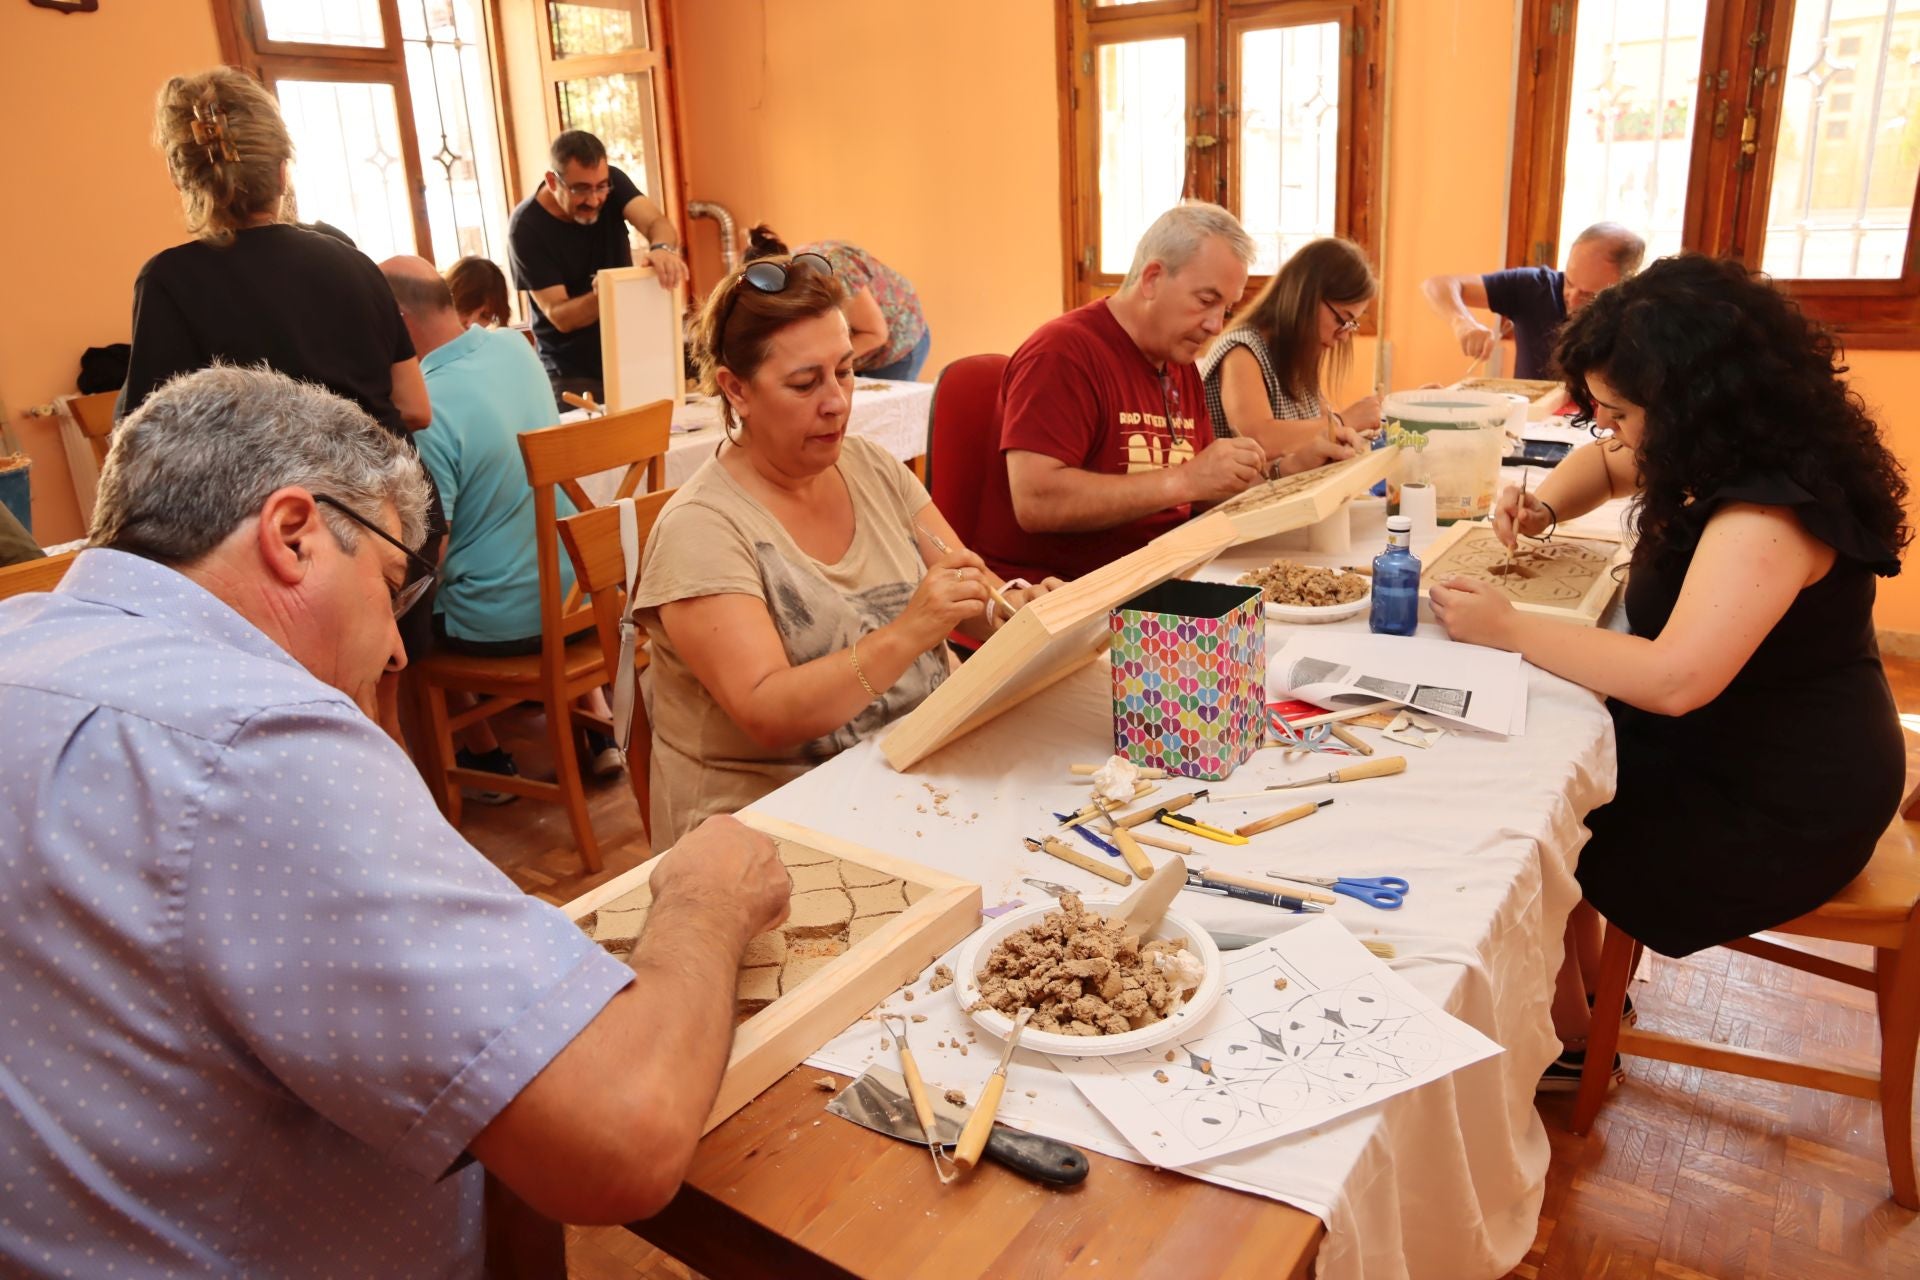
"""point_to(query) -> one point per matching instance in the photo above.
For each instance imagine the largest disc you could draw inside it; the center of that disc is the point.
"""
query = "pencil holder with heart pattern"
(1189, 677)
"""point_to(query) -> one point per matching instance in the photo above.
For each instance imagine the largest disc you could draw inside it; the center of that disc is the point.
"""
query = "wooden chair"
(1879, 909)
(556, 459)
(593, 541)
(94, 416)
(43, 574)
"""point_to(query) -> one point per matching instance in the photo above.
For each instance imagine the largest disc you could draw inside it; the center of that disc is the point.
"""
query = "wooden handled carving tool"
(1193, 826)
(1054, 846)
(1099, 808)
(1351, 738)
(973, 1138)
(1385, 766)
(1282, 818)
(582, 401)
(1212, 876)
(1160, 842)
(1130, 851)
(1088, 770)
(940, 545)
(1152, 811)
(917, 1090)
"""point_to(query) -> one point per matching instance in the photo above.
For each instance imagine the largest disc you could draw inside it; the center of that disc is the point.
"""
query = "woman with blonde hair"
(798, 591)
(1266, 377)
(251, 288)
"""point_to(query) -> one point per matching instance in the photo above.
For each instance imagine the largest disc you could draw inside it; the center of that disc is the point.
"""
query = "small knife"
(878, 1101)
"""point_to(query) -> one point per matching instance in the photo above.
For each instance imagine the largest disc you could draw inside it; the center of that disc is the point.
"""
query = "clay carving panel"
(836, 903)
(1571, 577)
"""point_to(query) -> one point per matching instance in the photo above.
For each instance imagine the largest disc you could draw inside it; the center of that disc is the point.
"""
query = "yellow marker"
(1195, 827)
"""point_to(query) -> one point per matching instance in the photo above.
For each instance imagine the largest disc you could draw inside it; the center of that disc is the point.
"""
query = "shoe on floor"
(604, 760)
(1629, 1017)
(1563, 1073)
(494, 761)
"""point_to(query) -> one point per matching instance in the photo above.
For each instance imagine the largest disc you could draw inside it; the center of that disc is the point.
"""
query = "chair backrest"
(593, 541)
(43, 574)
(94, 416)
(557, 458)
(963, 438)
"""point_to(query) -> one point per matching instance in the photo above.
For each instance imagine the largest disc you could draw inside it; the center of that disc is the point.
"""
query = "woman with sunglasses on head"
(889, 327)
(1764, 505)
(798, 590)
(1265, 377)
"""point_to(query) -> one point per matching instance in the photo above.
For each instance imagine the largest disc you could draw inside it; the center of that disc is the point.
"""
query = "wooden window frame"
(670, 191)
(1212, 29)
(1743, 77)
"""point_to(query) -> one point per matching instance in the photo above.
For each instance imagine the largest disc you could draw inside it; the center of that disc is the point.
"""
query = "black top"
(1534, 298)
(547, 250)
(302, 302)
(1765, 802)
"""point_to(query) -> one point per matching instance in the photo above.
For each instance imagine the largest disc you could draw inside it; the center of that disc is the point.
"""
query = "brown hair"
(226, 148)
(738, 323)
(1286, 314)
(478, 285)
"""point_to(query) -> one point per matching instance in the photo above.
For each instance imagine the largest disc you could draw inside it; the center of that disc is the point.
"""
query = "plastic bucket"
(1452, 440)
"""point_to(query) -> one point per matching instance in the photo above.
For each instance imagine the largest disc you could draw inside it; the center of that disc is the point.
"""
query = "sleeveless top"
(1285, 407)
(1762, 804)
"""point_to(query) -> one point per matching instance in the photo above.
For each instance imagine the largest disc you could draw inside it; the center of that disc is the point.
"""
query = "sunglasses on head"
(768, 276)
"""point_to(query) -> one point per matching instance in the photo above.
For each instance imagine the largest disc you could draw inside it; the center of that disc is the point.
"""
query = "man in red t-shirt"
(1103, 422)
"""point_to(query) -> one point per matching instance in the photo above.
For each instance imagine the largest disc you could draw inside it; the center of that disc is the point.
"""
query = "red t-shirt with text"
(1080, 391)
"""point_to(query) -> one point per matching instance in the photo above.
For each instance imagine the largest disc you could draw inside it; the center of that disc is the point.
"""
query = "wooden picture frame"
(1296, 501)
(1545, 396)
(942, 909)
(1589, 595)
(1048, 640)
(642, 343)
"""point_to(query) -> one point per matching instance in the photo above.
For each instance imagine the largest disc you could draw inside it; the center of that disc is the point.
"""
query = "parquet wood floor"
(1688, 1174)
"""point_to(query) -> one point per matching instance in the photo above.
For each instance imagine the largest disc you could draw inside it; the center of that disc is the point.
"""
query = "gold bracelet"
(853, 651)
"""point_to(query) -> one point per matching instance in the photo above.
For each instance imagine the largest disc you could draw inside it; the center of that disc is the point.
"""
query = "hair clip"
(210, 131)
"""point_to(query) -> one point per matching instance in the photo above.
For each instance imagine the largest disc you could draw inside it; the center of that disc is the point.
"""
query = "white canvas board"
(640, 338)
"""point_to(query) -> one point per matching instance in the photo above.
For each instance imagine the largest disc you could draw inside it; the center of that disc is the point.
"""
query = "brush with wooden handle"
(973, 1138)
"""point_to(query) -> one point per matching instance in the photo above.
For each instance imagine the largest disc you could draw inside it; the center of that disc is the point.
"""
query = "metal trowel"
(878, 1101)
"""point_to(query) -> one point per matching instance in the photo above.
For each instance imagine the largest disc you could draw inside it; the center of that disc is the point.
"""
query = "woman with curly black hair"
(1764, 504)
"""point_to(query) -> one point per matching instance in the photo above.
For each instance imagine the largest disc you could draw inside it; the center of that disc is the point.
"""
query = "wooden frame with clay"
(1047, 641)
(1296, 501)
(1545, 397)
(942, 909)
(642, 346)
(1585, 609)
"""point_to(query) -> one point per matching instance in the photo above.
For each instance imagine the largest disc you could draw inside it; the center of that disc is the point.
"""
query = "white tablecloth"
(1443, 1182)
(891, 414)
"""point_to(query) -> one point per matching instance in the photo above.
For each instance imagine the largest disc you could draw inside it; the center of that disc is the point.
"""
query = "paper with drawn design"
(1343, 1033)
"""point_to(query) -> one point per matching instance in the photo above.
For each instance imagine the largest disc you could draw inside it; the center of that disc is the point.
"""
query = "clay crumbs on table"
(942, 978)
(956, 1097)
(826, 1084)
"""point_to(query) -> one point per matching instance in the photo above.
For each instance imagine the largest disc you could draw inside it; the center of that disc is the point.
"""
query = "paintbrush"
(939, 544)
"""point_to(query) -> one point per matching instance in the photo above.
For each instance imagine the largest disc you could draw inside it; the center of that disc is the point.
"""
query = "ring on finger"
(959, 575)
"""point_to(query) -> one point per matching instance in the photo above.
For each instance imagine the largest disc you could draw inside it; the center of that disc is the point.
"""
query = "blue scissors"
(1384, 892)
(1319, 738)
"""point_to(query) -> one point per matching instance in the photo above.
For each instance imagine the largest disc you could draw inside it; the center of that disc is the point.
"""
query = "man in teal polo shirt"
(486, 387)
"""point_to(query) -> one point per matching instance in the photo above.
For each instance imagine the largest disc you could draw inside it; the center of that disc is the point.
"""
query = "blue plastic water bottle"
(1396, 581)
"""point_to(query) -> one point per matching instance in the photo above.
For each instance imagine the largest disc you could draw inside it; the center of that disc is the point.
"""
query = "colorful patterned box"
(1189, 677)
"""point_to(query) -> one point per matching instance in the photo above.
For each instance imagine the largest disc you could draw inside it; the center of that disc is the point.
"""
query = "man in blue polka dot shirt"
(264, 1010)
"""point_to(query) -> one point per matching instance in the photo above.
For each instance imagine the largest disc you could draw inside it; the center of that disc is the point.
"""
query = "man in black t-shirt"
(1536, 301)
(574, 225)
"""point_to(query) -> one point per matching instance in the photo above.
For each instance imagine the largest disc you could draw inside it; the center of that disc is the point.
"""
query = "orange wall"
(90, 200)
(926, 133)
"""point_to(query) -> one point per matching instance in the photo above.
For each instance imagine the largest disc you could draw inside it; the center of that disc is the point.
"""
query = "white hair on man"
(1176, 236)
(1622, 245)
(201, 455)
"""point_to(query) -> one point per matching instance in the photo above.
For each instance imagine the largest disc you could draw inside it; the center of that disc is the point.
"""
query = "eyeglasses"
(581, 190)
(409, 595)
(768, 276)
(1170, 401)
(1342, 323)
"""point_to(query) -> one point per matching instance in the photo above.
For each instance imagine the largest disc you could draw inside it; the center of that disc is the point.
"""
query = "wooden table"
(784, 1189)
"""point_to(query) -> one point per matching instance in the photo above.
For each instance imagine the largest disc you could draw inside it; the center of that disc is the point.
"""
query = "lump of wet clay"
(942, 978)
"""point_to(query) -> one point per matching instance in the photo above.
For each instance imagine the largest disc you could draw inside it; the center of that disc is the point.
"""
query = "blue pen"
(1091, 838)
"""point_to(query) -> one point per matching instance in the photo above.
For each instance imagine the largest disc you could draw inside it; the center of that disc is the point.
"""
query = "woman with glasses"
(889, 328)
(1265, 377)
(1760, 757)
(798, 590)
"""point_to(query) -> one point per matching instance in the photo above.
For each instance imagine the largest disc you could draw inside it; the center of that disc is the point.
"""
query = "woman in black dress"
(1760, 756)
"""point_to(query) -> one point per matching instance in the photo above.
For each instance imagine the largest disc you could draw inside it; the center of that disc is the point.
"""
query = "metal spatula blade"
(878, 1101)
